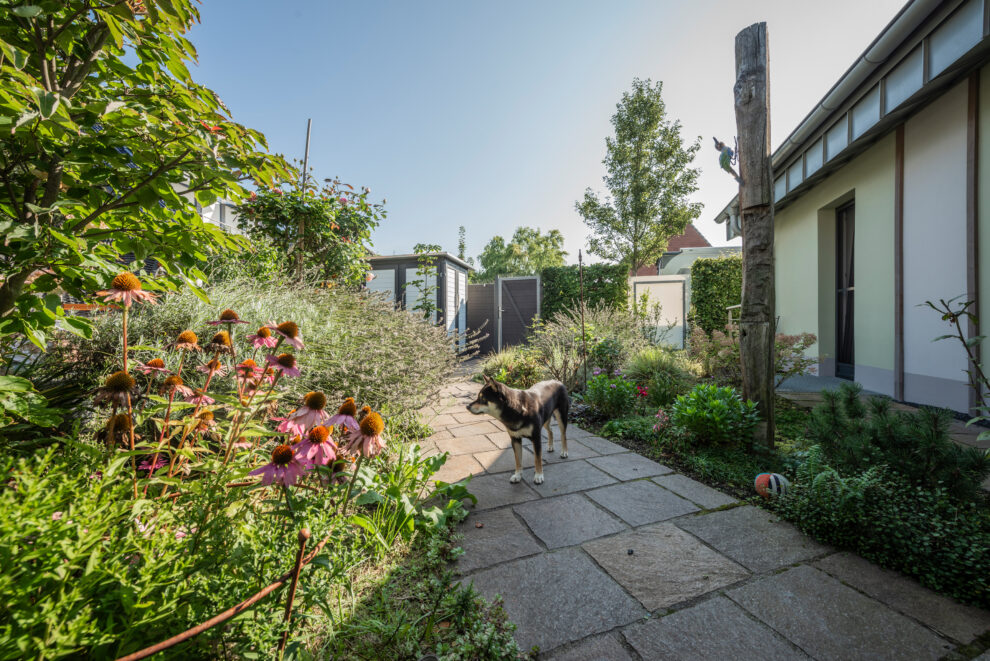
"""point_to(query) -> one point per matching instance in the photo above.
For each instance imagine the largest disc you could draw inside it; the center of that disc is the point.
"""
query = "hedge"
(716, 283)
(604, 284)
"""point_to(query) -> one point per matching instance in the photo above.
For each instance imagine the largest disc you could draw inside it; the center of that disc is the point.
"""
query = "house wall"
(804, 254)
(934, 247)
(983, 206)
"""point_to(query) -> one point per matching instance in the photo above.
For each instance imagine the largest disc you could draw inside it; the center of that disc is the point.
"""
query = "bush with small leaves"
(713, 414)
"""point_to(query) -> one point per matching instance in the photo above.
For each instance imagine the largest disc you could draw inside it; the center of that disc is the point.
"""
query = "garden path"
(617, 557)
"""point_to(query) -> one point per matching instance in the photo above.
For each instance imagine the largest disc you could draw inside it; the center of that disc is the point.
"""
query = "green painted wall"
(804, 254)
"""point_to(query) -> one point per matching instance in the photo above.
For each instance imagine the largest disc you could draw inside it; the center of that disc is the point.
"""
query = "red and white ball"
(771, 484)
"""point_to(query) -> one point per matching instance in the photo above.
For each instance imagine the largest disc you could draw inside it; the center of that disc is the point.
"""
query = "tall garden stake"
(302, 217)
(584, 339)
(304, 536)
(756, 321)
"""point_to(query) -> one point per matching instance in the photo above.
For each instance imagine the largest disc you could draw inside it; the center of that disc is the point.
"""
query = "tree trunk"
(756, 324)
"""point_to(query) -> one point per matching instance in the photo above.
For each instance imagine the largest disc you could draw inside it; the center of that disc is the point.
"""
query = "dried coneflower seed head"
(205, 416)
(126, 281)
(289, 329)
(221, 338)
(187, 337)
(173, 381)
(156, 362)
(282, 455)
(119, 382)
(286, 360)
(372, 425)
(319, 434)
(264, 331)
(119, 421)
(348, 407)
(315, 400)
(229, 315)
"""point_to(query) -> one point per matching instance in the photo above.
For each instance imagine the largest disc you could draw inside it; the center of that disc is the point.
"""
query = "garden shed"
(396, 277)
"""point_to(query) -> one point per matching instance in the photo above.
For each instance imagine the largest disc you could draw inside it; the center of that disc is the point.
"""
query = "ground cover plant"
(192, 495)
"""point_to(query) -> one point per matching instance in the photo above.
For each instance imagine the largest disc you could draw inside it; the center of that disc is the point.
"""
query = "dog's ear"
(488, 380)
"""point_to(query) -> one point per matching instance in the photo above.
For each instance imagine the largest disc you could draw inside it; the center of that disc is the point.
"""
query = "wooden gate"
(510, 306)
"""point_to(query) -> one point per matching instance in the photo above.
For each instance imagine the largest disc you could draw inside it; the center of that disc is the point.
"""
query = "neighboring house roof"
(413, 256)
(691, 238)
(928, 46)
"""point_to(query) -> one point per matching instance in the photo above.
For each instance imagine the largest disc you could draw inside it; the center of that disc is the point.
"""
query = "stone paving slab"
(567, 520)
(667, 566)
(497, 461)
(715, 629)
(502, 537)
(441, 435)
(962, 623)
(466, 444)
(557, 598)
(753, 537)
(602, 648)
(575, 450)
(700, 494)
(500, 439)
(829, 620)
(983, 657)
(465, 417)
(641, 502)
(599, 444)
(566, 477)
(629, 466)
(495, 491)
(457, 468)
(482, 427)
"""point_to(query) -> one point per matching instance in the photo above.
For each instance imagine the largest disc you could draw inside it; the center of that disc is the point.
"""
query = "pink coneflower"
(213, 367)
(200, 399)
(174, 384)
(56, 516)
(153, 366)
(311, 413)
(284, 363)
(288, 330)
(263, 338)
(147, 465)
(116, 388)
(342, 200)
(318, 447)
(204, 421)
(283, 469)
(247, 370)
(368, 441)
(186, 341)
(346, 416)
(126, 288)
(220, 344)
(228, 317)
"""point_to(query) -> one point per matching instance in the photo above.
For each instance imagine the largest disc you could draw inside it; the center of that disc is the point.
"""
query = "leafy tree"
(337, 226)
(106, 147)
(649, 181)
(528, 253)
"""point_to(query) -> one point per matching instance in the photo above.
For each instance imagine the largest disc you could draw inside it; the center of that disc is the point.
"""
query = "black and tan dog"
(525, 413)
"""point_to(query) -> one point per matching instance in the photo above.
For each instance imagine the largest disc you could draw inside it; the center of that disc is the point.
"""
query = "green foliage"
(527, 253)
(606, 354)
(922, 532)
(649, 179)
(635, 427)
(337, 225)
(855, 435)
(720, 357)
(713, 414)
(425, 285)
(108, 147)
(716, 283)
(610, 396)
(262, 261)
(516, 367)
(605, 285)
(21, 403)
(664, 372)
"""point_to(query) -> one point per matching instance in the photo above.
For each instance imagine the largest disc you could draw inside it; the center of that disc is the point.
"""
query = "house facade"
(882, 202)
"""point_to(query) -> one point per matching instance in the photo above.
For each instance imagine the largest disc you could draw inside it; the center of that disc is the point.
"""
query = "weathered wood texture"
(756, 321)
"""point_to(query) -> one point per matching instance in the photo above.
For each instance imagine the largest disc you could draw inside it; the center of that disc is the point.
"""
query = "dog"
(525, 413)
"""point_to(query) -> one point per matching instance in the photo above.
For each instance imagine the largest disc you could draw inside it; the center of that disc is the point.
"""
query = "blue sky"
(494, 114)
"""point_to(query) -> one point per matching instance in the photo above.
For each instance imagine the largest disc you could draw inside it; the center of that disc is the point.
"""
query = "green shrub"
(713, 414)
(610, 396)
(921, 532)
(606, 354)
(916, 445)
(516, 367)
(605, 285)
(719, 355)
(664, 372)
(716, 283)
(635, 427)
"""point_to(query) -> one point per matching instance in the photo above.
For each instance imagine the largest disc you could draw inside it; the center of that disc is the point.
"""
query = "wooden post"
(302, 219)
(756, 322)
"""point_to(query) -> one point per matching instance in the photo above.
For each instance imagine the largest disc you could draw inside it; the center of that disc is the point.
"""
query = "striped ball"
(768, 484)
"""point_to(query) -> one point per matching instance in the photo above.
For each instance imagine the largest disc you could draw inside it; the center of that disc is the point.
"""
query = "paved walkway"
(617, 557)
